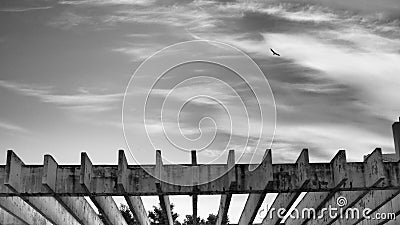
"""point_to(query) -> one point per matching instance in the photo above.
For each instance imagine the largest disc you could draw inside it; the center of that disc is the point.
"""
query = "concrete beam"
(23, 211)
(254, 201)
(78, 207)
(196, 177)
(226, 198)
(223, 209)
(391, 207)
(286, 200)
(49, 207)
(373, 176)
(194, 209)
(396, 137)
(8, 219)
(317, 200)
(105, 204)
(101, 180)
(373, 201)
(164, 199)
(107, 207)
(134, 202)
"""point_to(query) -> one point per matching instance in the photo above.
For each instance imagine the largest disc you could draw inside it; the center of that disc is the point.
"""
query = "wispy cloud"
(12, 127)
(25, 9)
(67, 20)
(84, 101)
(108, 2)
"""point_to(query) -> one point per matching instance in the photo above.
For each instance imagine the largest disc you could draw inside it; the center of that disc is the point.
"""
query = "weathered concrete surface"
(373, 176)
(108, 208)
(373, 200)
(254, 201)
(393, 206)
(226, 198)
(396, 137)
(78, 207)
(101, 179)
(223, 209)
(134, 202)
(286, 200)
(49, 207)
(81, 210)
(8, 219)
(164, 199)
(21, 210)
(317, 200)
(105, 204)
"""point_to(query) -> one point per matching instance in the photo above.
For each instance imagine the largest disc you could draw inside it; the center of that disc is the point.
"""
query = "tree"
(211, 220)
(189, 220)
(157, 216)
(125, 212)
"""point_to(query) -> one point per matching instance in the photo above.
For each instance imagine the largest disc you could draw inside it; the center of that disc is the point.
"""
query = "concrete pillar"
(286, 200)
(226, 198)
(223, 209)
(396, 137)
(134, 202)
(254, 201)
(374, 174)
(49, 207)
(196, 175)
(78, 207)
(317, 200)
(164, 199)
(391, 206)
(105, 204)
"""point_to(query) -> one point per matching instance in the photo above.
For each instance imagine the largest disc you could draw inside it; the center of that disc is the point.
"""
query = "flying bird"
(274, 53)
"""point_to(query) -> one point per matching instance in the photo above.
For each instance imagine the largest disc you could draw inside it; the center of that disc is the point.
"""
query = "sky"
(66, 67)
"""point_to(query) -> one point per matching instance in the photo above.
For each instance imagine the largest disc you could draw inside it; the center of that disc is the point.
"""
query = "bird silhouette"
(274, 53)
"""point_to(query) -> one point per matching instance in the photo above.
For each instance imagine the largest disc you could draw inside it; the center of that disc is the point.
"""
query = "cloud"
(108, 2)
(84, 101)
(25, 9)
(12, 127)
(67, 20)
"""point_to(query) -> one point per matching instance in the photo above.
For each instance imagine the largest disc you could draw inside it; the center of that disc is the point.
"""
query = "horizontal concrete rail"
(102, 179)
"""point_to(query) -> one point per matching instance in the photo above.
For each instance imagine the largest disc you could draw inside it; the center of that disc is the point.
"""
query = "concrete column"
(254, 201)
(78, 207)
(286, 200)
(49, 207)
(134, 202)
(396, 137)
(317, 200)
(196, 175)
(164, 199)
(105, 204)
(226, 198)
(374, 174)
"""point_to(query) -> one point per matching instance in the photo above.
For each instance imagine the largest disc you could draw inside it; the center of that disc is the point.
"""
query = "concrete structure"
(54, 194)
